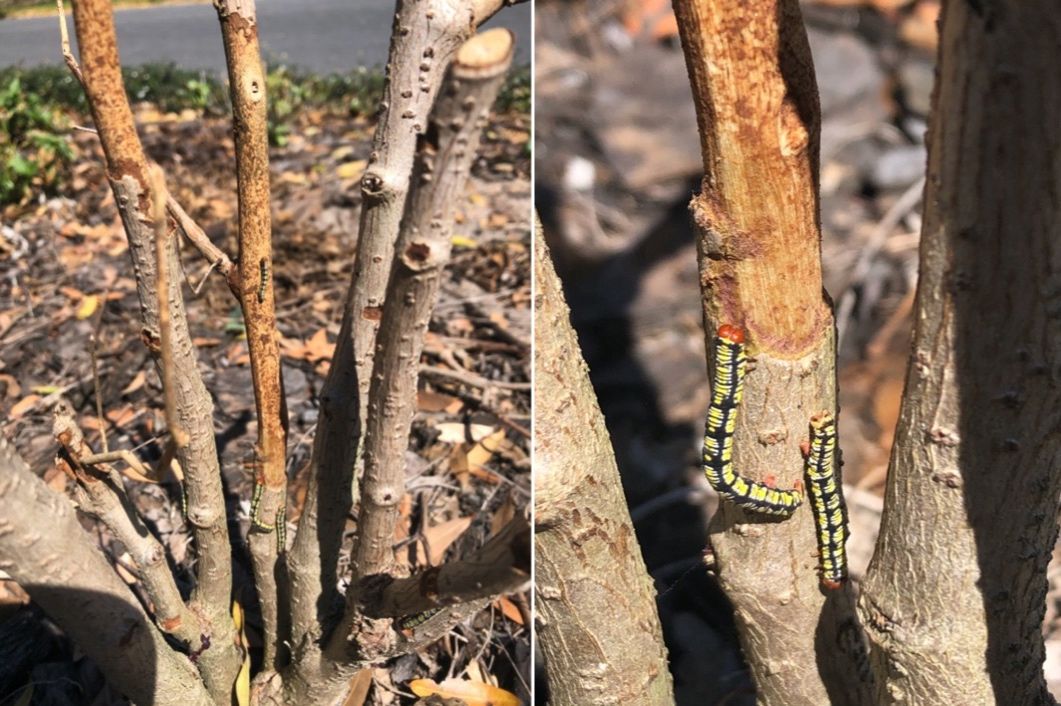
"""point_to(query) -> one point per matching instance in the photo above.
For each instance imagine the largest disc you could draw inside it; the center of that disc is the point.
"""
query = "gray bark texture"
(955, 595)
(596, 608)
(424, 38)
(44, 548)
(127, 171)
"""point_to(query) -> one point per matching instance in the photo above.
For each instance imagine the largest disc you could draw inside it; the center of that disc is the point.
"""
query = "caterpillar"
(411, 621)
(263, 272)
(730, 367)
(279, 523)
(827, 500)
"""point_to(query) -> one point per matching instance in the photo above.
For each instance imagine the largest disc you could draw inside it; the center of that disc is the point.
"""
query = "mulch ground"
(66, 290)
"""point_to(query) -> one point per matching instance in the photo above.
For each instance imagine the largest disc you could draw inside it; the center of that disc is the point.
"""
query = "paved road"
(321, 35)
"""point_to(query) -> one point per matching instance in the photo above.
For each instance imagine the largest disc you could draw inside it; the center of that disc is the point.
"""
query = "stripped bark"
(760, 268)
(597, 621)
(44, 548)
(127, 172)
(247, 85)
(970, 512)
(424, 37)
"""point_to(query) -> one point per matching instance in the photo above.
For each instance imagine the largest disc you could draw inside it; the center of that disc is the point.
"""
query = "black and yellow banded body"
(827, 500)
(411, 621)
(730, 366)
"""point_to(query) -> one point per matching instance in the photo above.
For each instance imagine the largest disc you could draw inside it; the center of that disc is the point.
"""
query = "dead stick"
(103, 497)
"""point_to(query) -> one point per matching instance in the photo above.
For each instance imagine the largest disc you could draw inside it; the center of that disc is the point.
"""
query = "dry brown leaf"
(317, 348)
(359, 686)
(439, 538)
(23, 406)
(12, 388)
(122, 416)
(509, 609)
(429, 401)
(135, 384)
(474, 693)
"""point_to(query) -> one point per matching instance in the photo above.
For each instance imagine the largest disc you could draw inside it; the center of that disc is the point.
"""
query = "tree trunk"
(598, 626)
(760, 265)
(955, 595)
(62, 569)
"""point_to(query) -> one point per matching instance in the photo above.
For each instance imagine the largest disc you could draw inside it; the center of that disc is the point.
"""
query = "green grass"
(35, 152)
(38, 8)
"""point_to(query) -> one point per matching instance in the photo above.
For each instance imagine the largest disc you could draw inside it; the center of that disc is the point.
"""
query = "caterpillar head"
(731, 333)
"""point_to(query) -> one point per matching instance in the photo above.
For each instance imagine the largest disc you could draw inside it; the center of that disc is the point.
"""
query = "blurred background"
(617, 159)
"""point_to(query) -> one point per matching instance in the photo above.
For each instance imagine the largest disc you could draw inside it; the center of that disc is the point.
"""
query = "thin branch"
(217, 258)
(471, 379)
(443, 164)
(425, 36)
(62, 569)
(127, 170)
(247, 86)
(102, 496)
(178, 436)
(64, 43)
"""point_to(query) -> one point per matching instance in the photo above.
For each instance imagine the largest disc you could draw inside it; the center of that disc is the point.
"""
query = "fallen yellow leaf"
(88, 307)
(474, 693)
(351, 170)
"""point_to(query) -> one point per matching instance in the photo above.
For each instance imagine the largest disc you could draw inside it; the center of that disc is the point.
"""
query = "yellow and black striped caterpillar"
(731, 364)
(263, 277)
(827, 500)
(411, 621)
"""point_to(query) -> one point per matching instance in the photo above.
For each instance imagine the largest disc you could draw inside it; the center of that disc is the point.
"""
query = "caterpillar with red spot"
(727, 388)
(827, 500)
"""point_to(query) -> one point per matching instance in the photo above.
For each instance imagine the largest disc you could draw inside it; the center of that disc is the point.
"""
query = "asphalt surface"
(319, 35)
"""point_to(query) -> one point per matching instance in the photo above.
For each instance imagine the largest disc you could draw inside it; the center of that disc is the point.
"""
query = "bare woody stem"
(62, 569)
(247, 84)
(128, 174)
(102, 496)
(758, 243)
(593, 592)
(441, 172)
(425, 35)
(500, 566)
(971, 504)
